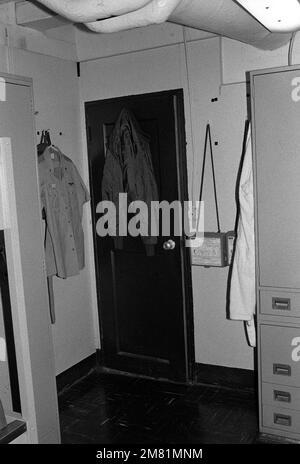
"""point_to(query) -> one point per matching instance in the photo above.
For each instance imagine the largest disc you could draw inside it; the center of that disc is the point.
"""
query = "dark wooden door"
(145, 302)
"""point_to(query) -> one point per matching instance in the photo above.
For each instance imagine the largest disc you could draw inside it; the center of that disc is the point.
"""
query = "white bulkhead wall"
(152, 59)
(137, 61)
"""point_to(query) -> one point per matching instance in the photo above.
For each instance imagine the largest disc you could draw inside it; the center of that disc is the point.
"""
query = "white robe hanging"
(242, 290)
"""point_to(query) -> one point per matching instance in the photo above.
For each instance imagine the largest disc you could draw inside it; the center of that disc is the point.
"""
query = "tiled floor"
(115, 409)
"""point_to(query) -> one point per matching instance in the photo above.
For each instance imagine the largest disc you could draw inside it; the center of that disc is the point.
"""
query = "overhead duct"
(222, 17)
(227, 18)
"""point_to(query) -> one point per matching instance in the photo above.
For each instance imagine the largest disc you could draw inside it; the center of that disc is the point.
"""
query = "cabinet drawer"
(281, 419)
(280, 355)
(281, 396)
(280, 304)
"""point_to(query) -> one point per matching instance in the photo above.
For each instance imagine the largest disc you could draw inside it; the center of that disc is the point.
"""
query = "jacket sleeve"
(143, 187)
(112, 182)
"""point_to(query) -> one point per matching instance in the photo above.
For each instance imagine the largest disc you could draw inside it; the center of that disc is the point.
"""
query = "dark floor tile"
(223, 439)
(160, 386)
(96, 432)
(185, 411)
(202, 394)
(197, 432)
(263, 439)
(135, 437)
(145, 414)
(76, 439)
(240, 379)
(66, 422)
(98, 413)
(110, 408)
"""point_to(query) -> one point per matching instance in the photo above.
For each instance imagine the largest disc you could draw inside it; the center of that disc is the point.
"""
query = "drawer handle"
(282, 369)
(282, 419)
(282, 396)
(281, 304)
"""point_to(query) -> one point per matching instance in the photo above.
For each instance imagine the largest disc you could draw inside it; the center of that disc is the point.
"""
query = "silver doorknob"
(169, 245)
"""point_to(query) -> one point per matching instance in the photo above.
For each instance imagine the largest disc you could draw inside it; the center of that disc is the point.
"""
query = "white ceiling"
(224, 17)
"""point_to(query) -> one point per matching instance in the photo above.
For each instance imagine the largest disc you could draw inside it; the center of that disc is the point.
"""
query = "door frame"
(181, 163)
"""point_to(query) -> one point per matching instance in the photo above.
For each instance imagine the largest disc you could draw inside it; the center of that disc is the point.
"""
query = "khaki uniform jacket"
(63, 194)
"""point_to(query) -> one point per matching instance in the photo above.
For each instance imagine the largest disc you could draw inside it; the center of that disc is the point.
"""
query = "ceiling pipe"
(81, 11)
(155, 12)
(229, 19)
(222, 17)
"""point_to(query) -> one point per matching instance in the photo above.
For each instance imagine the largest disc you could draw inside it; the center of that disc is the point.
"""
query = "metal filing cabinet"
(275, 97)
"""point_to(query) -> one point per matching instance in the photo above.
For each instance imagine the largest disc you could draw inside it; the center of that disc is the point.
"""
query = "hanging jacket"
(63, 194)
(242, 290)
(128, 166)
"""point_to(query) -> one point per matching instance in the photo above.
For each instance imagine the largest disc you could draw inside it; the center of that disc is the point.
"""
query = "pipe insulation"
(154, 12)
(229, 19)
(81, 11)
(223, 17)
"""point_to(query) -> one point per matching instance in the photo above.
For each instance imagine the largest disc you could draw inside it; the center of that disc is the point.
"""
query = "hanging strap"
(42, 145)
(47, 138)
(51, 299)
(208, 141)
